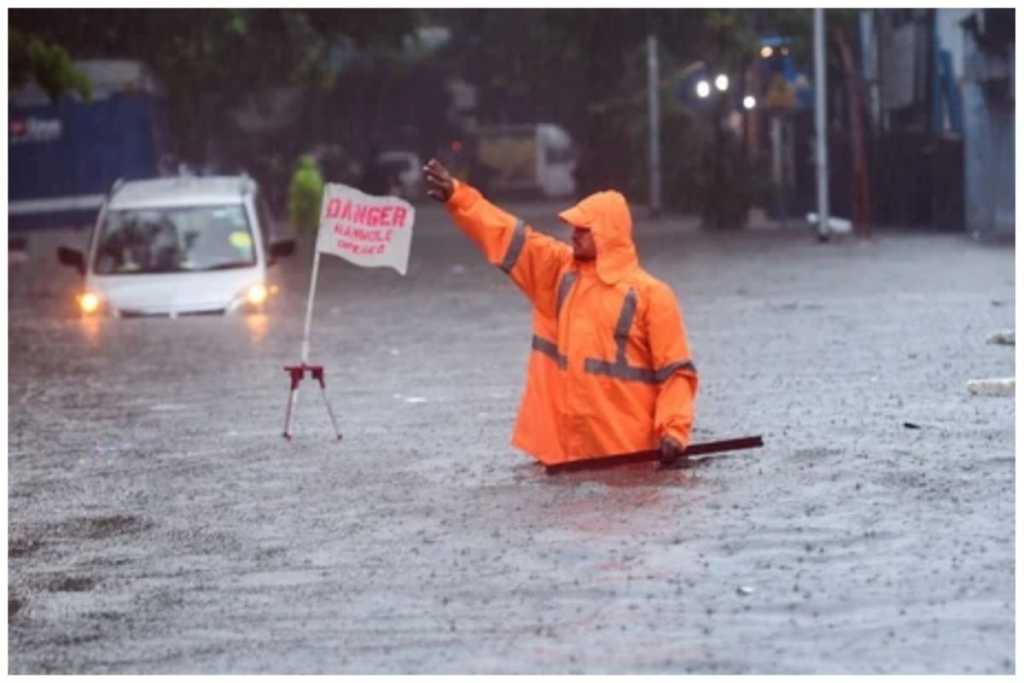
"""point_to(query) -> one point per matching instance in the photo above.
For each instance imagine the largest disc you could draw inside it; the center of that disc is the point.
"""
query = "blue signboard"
(64, 156)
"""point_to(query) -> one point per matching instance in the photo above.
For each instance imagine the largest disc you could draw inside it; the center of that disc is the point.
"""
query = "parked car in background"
(178, 246)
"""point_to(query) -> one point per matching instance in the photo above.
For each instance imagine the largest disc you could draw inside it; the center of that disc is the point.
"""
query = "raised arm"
(533, 260)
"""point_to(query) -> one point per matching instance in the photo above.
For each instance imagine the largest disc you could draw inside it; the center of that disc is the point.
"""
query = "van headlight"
(253, 298)
(89, 302)
(257, 294)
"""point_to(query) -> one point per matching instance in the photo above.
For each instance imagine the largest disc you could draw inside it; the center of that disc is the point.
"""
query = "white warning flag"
(366, 230)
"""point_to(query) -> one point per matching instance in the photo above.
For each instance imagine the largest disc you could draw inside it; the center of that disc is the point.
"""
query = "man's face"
(583, 248)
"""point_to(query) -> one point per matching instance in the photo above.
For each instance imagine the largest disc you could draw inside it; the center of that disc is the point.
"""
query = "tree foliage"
(234, 48)
(586, 70)
(32, 58)
(582, 68)
(227, 52)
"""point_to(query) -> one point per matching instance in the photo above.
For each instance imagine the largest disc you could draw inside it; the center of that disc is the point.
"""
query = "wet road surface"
(158, 523)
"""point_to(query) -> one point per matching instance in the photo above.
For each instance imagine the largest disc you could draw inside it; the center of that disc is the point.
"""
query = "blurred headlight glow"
(257, 294)
(89, 302)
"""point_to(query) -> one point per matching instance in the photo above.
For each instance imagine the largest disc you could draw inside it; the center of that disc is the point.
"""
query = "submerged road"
(158, 523)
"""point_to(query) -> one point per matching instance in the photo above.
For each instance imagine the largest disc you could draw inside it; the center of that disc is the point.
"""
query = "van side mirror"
(73, 258)
(281, 249)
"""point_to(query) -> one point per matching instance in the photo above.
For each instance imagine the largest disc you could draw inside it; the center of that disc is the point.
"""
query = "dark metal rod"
(653, 455)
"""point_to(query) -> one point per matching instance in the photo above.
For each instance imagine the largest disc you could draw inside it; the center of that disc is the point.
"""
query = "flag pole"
(821, 124)
(293, 394)
(309, 306)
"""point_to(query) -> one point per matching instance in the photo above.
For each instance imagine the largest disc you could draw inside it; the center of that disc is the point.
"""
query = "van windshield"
(174, 239)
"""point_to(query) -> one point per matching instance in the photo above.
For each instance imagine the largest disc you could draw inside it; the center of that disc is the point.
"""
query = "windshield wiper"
(231, 264)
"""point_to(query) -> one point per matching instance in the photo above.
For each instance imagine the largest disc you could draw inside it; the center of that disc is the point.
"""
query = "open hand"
(438, 180)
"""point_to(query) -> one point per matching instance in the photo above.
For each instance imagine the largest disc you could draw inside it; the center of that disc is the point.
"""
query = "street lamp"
(722, 82)
(703, 89)
(766, 51)
(749, 102)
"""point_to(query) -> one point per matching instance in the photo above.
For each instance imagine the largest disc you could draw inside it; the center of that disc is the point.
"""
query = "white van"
(178, 246)
(528, 157)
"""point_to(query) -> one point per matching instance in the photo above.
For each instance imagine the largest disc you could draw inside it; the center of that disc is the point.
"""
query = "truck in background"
(526, 158)
(64, 156)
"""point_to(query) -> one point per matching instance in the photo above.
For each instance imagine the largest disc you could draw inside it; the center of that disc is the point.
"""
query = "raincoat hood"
(606, 215)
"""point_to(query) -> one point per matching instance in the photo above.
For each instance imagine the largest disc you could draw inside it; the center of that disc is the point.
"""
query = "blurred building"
(779, 127)
(939, 98)
(988, 97)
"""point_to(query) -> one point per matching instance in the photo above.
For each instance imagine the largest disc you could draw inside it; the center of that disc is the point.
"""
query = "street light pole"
(820, 123)
(654, 118)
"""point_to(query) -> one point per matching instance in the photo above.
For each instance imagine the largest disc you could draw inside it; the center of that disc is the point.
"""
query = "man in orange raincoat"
(610, 370)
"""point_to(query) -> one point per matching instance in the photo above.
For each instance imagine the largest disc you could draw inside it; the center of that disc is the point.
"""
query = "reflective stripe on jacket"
(610, 369)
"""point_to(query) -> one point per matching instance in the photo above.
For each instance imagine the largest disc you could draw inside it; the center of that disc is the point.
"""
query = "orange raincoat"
(610, 371)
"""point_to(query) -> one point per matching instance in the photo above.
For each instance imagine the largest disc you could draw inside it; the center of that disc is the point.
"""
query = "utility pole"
(820, 123)
(778, 175)
(654, 119)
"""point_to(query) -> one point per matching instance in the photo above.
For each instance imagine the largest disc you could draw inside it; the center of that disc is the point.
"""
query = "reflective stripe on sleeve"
(515, 247)
(664, 373)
